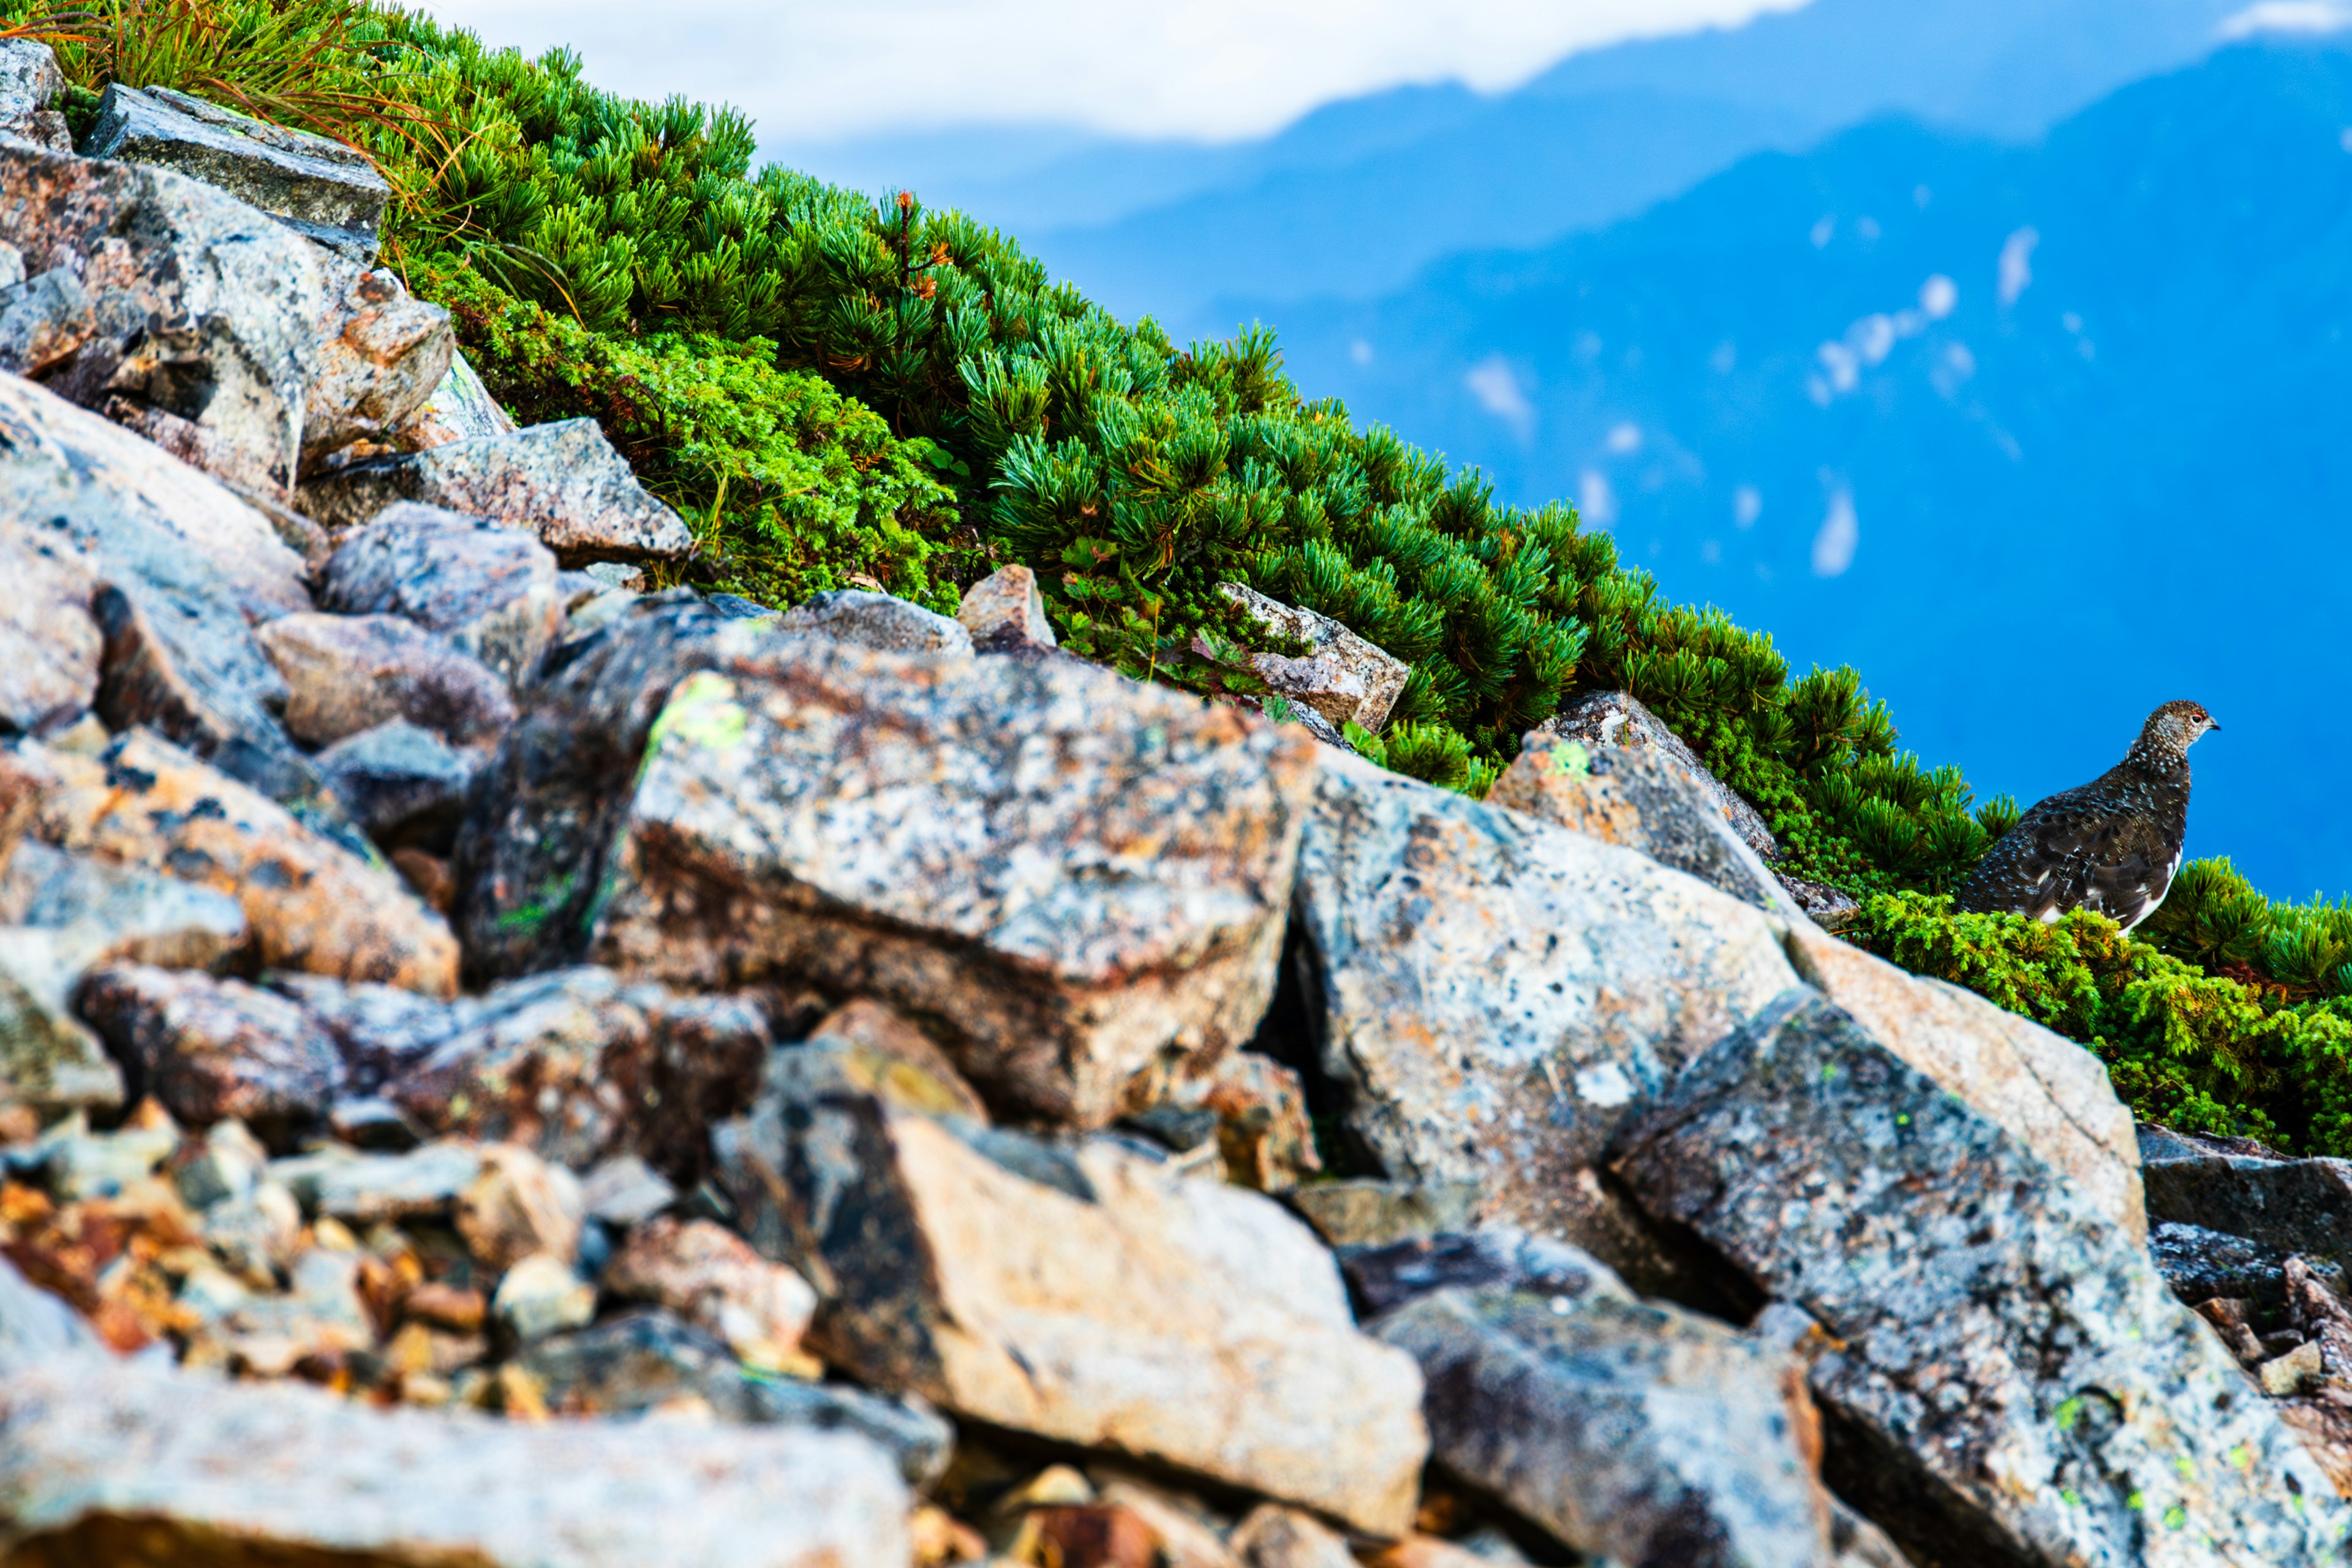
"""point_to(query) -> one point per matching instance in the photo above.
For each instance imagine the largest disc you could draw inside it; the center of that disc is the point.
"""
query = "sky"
(814, 71)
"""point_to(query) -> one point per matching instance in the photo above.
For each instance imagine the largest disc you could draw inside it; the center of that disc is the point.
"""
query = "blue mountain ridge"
(2033, 436)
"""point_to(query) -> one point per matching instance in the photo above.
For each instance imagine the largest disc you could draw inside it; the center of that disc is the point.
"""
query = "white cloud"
(1841, 531)
(1623, 438)
(2289, 16)
(2017, 263)
(1938, 296)
(1596, 499)
(1746, 506)
(818, 70)
(1361, 350)
(1495, 386)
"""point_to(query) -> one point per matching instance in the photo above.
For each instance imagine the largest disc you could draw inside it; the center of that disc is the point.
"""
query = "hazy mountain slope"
(2101, 463)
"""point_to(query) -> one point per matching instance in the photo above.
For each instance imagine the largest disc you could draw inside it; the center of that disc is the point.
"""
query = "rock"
(1064, 872)
(44, 321)
(2295, 1205)
(625, 1190)
(541, 1296)
(1832, 909)
(1491, 1257)
(520, 1206)
(1634, 1432)
(536, 846)
(1090, 1535)
(1619, 718)
(225, 1166)
(363, 1189)
(73, 1162)
(562, 482)
(101, 1461)
(577, 1067)
(234, 345)
(36, 1326)
(349, 673)
(379, 1030)
(1005, 614)
(1187, 1538)
(1250, 1106)
(2292, 1373)
(460, 409)
(490, 591)
(2041, 1087)
(1277, 1537)
(2201, 1264)
(1341, 676)
(1637, 798)
(2005, 1378)
(2326, 1428)
(1497, 995)
(49, 645)
(1095, 1300)
(310, 905)
(403, 784)
(876, 1047)
(319, 188)
(30, 82)
(105, 912)
(711, 1278)
(1365, 1211)
(48, 1061)
(135, 511)
(209, 1050)
(878, 620)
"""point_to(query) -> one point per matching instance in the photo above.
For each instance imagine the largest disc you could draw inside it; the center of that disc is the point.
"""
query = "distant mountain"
(2036, 438)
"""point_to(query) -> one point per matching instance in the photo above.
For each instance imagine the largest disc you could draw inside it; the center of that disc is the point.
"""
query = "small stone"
(227, 1165)
(366, 1188)
(454, 1308)
(459, 409)
(1341, 676)
(711, 1277)
(30, 82)
(564, 482)
(1005, 614)
(878, 620)
(520, 1206)
(49, 1060)
(490, 591)
(255, 1236)
(106, 912)
(879, 1048)
(1274, 1536)
(541, 1296)
(350, 673)
(405, 785)
(2292, 1373)
(1258, 1118)
(625, 1190)
(75, 1162)
(1094, 1536)
(213, 1048)
(1368, 1210)
(1619, 718)
(429, 877)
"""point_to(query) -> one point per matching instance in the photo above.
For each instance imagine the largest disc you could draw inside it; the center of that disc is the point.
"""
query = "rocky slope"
(499, 1067)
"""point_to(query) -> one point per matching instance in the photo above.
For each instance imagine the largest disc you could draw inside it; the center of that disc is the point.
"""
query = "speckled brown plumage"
(2111, 845)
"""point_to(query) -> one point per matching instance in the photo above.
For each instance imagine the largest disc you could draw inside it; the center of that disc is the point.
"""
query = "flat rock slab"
(1498, 995)
(320, 189)
(492, 591)
(1341, 676)
(2010, 1381)
(562, 482)
(348, 673)
(1081, 1292)
(2299, 1206)
(1067, 873)
(311, 904)
(100, 1461)
(1620, 718)
(878, 620)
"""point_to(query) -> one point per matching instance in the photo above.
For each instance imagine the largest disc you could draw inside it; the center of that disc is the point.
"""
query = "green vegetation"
(834, 389)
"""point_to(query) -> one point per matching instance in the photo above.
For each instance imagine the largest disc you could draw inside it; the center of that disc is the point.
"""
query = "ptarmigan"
(2110, 845)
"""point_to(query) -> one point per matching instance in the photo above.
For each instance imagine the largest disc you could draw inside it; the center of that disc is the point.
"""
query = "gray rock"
(30, 83)
(541, 1295)
(1497, 995)
(644, 1360)
(1365, 1211)
(49, 645)
(562, 482)
(490, 591)
(1634, 1432)
(363, 1188)
(1005, 614)
(100, 1460)
(348, 673)
(71, 1162)
(1637, 798)
(1072, 877)
(1490, 1258)
(48, 1058)
(233, 344)
(1341, 676)
(115, 913)
(460, 409)
(36, 1326)
(2005, 1376)
(44, 321)
(321, 189)
(405, 785)
(878, 620)
(1832, 909)
(2201, 1264)
(1113, 1304)
(379, 1031)
(1619, 718)
(210, 1049)
(2296, 1206)
(625, 1190)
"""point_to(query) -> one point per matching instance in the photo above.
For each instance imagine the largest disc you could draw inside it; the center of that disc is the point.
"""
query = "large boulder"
(344, 674)
(118, 914)
(30, 85)
(210, 1049)
(1498, 996)
(319, 188)
(2006, 1379)
(491, 592)
(564, 482)
(50, 647)
(1620, 718)
(404, 784)
(1072, 876)
(2298, 1206)
(103, 1461)
(1340, 676)
(215, 326)
(312, 904)
(1079, 1291)
(878, 620)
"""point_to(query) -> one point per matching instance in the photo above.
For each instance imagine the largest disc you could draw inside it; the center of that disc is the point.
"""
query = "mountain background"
(1998, 349)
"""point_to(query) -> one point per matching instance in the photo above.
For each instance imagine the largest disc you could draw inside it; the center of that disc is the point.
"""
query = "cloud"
(2017, 263)
(1841, 531)
(818, 70)
(1496, 388)
(2289, 16)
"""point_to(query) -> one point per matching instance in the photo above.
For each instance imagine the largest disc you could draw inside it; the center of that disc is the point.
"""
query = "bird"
(2111, 845)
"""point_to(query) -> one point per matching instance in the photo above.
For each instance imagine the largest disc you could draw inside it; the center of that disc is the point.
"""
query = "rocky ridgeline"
(497, 1067)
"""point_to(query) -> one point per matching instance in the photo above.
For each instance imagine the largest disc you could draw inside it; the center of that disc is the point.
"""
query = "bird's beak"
(2214, 725)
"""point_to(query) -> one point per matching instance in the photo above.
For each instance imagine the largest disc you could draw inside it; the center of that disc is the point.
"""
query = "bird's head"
(2174, 727)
